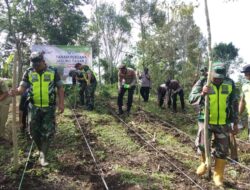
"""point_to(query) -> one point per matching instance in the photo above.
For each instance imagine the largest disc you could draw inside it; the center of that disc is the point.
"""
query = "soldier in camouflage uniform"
(80, 77)
(245, 95)
(4, 106)
(91, 84)
(42, 81)
(222, 98)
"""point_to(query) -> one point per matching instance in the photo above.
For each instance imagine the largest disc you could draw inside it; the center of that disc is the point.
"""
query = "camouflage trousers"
(90, 95)
(82, 93)
(220, 142)
(41, 126)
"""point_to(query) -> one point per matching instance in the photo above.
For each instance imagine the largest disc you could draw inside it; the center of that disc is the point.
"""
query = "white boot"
(42, 159)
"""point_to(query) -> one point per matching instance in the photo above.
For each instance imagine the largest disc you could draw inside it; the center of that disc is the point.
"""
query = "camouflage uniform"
(42, 98)
(245, 94)
(4, 107)
(90, 89)
(83, 86)
(220, 130)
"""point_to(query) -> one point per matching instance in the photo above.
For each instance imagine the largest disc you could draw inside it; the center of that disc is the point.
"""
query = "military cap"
(246, 69)
(218, 71)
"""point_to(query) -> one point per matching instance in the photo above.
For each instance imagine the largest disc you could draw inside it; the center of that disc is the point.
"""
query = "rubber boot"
(219, 171)
(42, 159)
(201, 170)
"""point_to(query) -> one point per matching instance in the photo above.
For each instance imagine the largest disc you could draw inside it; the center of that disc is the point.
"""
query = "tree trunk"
(206, 138)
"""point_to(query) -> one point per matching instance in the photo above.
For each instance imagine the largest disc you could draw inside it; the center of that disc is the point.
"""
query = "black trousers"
(145, 93)
(174, 98)
(130, 97)
(161, 96)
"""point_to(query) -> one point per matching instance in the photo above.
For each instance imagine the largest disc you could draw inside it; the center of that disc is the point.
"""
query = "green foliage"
(112, 34)
(224, 52)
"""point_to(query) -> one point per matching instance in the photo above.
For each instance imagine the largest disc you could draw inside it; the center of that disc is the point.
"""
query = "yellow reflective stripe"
(34, 78)
(218, 104)
(246, 91)
(45, 87)
(40, 87)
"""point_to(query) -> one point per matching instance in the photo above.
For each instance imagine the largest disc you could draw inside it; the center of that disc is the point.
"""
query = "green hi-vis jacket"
(42, 86)
(246, 95)
(223, 102)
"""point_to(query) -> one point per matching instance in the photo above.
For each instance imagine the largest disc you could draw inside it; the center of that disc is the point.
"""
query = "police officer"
(91, 83)
(126, 82)
(222, 98)
(42, 81)
(4, 106)
(245, 95)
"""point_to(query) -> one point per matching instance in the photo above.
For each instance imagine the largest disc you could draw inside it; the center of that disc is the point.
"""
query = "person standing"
(4, 107)
(126, 82)
(145, 84)
(42, 81)
(80, 77)
(222, 97)
(91, 83)
(175, 89)
(245, 95)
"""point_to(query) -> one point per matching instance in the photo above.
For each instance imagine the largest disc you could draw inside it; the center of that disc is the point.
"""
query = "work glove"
(126, 86)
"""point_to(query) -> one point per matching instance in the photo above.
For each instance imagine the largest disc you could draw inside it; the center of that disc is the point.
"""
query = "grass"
(141, 178)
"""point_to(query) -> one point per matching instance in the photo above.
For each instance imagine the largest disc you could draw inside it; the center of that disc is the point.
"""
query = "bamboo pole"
(14, 130)
(206, 138)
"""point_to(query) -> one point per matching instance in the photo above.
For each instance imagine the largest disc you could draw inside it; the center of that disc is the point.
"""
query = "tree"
(39, 21)
(114, 32)
(226, 53)
(145, 14)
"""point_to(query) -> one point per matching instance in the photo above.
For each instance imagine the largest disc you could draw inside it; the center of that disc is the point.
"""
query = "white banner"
(64, 58)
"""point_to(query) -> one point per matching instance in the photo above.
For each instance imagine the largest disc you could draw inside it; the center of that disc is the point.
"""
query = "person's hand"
(235, 129)
(205, 90)
(13, 92)
(61, 108)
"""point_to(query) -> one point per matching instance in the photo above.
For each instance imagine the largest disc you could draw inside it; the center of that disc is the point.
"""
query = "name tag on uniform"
(34, 78)
(224, 89)
(46, 78)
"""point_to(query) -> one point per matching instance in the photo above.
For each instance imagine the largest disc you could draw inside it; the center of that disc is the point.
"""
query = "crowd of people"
(41, 82)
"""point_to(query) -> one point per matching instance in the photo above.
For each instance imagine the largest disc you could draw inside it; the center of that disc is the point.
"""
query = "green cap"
(219, 70)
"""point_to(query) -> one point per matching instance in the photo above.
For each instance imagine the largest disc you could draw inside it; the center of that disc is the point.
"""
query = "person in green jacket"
(91, 82)
(223, 109)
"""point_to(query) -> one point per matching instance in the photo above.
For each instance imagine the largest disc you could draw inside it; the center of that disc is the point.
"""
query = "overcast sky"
(228, 23)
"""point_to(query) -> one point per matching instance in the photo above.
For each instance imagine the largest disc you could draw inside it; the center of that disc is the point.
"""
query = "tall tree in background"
(176, 47)
(226, 53)
(40, 21)
(144, 13)
(114, 32)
